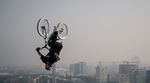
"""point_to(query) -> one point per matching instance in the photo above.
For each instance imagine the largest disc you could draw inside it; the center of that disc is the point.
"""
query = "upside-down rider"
(54, 50)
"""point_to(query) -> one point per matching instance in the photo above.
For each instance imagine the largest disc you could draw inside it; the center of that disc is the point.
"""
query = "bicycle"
(43, 30)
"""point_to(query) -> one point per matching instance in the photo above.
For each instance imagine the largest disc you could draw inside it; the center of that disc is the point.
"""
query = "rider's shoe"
(38, 48)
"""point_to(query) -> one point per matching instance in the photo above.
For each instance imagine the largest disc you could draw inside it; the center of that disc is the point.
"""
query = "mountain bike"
(43, 29)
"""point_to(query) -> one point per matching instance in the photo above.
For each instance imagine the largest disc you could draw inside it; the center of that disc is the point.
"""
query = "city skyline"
(78, 72)
(99, 30)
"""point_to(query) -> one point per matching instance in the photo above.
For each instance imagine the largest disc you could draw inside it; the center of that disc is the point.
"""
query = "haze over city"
(99, 30)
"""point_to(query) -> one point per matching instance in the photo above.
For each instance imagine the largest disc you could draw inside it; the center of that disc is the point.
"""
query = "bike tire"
(62, 34)
(43, 22)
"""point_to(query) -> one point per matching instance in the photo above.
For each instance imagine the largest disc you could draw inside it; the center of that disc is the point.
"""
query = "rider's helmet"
(48, 66)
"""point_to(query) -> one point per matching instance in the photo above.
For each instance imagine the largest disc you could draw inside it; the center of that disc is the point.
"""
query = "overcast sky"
(99, 30)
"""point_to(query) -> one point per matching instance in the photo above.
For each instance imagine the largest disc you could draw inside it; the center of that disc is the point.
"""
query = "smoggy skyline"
(106, 30)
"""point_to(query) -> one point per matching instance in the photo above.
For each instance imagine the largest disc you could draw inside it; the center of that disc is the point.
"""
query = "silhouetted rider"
(54, 51)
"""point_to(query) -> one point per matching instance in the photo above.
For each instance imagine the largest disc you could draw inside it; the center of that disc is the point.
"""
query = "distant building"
(147, 78)
(142, 76)
(97, 74)
(127, 68)
(97, 71)
(42, 79)
(101, 73)
(139, 76)
(79, 68)
(20, 79)
(118, 78)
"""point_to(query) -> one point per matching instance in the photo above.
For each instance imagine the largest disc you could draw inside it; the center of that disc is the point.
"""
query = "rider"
(54, 51)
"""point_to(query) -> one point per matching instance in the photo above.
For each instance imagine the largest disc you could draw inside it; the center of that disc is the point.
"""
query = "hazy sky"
(106, 30)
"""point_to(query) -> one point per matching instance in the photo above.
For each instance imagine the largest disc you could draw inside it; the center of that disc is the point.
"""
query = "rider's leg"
(50, 53)
(58, 47)
(54, 53)
(38, 51)
(55, 48)
(44, 59)
(52, 58)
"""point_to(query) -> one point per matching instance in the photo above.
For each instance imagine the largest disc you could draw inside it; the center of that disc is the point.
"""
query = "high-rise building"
(127, 68)
(118, 78)
(20, 79)
(147, 78)
(97, 74)
(101, 73)
(79, 68)
(140, 75)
